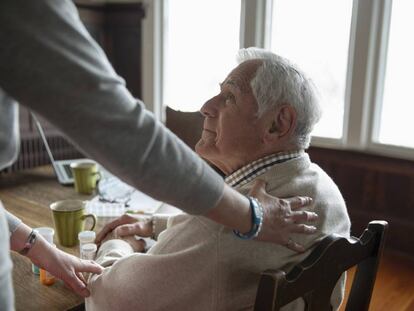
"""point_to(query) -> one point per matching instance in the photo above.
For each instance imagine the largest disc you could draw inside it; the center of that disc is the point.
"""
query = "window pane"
(397, 126)
(315, 35)
(202, 40)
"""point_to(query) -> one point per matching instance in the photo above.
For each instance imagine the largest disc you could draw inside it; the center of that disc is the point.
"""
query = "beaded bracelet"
(257, 220)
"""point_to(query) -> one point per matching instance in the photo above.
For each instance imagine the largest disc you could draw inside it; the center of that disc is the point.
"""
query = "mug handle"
(93, 216)
(98, 177)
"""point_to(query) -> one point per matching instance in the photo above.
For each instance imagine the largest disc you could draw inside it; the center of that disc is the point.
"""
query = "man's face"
(232, 132)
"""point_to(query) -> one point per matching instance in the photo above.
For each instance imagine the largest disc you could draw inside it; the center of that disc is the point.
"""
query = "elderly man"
(256, 128)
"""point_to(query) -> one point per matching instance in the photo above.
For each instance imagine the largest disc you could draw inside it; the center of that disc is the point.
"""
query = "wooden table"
(28, 195)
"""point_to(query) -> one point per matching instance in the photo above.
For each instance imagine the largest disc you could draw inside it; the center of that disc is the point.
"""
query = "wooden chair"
(314, 279)
(186, 125)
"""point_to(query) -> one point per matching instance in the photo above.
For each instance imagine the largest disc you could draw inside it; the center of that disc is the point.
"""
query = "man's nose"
(210, 108)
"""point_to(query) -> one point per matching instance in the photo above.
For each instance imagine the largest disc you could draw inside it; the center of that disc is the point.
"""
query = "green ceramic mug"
(85, 175)
(69, 217)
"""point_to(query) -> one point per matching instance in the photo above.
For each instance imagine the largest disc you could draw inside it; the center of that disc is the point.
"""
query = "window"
(201, 42)
(396, 125)
(315, 35)
(359, 53)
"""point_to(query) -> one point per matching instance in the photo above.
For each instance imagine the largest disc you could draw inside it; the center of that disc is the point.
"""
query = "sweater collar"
(250, 171)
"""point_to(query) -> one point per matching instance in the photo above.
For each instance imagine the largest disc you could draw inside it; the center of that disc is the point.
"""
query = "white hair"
(279, 82)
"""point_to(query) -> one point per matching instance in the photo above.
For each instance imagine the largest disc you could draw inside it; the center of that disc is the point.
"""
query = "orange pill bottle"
(46, 278)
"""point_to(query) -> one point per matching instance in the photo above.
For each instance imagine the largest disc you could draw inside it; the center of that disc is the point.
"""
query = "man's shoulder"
(293, 176)
(301, 177)
(300, 173)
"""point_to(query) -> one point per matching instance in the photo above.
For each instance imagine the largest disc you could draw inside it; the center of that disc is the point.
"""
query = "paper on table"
(116, 198)
(138, 203)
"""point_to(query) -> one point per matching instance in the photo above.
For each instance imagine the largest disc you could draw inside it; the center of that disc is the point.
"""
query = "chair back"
(315, 278)
(186, 125)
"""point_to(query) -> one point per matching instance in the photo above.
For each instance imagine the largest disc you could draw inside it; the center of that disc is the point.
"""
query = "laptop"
(61, 167)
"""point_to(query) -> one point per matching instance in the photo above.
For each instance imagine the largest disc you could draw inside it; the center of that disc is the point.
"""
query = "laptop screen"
(68, 170)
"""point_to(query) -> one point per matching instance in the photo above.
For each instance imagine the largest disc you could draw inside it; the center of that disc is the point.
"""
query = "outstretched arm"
(49, 62)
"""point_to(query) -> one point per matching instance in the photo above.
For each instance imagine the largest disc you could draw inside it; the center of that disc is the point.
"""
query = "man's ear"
(282, 125)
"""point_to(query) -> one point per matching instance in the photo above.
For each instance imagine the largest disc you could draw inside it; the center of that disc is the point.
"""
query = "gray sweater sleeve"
(49, 63)
(9, 130)
(6, 288)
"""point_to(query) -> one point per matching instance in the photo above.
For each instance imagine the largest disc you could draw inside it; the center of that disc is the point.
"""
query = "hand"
(65, 267)
(280, 219)
(60, 264)
(125, 226)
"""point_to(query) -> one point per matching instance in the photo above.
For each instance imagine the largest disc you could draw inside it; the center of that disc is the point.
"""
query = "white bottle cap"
(46, 232)
(87, 236)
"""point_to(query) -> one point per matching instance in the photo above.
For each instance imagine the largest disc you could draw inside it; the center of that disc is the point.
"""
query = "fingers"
(124, 219)
(75, 279)
(89, 266)
(305, 229)
(102, 234)
(294, 246)
(81, 277)
(128, 229)
(77, 283)
(298, 202)
(259, 187)
(303, 216)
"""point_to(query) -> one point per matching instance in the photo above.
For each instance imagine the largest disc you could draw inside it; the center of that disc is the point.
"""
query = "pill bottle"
(44, 276)
(85, 237)
(88, 252)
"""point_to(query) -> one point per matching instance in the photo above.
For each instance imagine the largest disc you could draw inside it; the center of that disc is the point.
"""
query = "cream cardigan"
(200, 265)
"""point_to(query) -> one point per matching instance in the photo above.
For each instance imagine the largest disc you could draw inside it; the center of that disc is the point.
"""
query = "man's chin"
(204, 149)
(200, 148)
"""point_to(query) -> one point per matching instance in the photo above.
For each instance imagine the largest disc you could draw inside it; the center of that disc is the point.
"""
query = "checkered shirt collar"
(250, 171)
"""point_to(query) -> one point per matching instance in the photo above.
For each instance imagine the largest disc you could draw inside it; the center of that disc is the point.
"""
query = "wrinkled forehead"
(241, 76)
